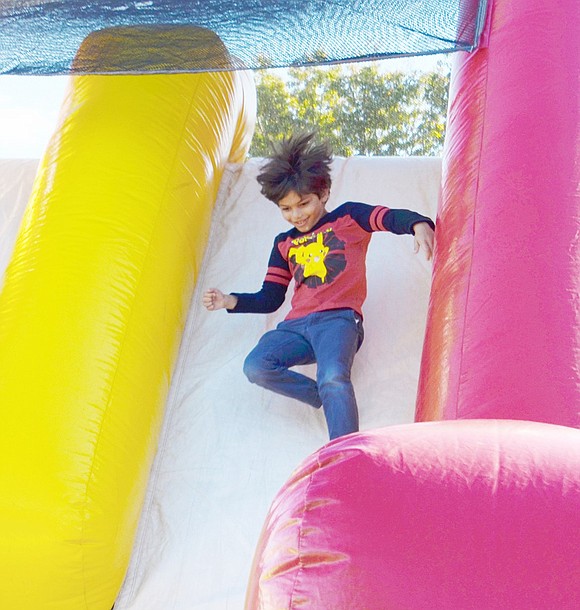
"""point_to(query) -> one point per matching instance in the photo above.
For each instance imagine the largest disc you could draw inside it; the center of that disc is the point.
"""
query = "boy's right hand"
(215, 299)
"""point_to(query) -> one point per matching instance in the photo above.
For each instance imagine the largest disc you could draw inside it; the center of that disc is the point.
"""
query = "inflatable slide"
(140, 469)
(226, 447)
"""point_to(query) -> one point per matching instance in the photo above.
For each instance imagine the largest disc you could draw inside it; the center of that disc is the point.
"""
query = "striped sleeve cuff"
(278, 276)
(376, 218)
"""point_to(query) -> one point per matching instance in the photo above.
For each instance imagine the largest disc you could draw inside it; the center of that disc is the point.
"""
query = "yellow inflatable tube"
(91, 314)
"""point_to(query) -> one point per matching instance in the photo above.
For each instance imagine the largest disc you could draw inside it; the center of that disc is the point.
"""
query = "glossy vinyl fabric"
(474, 514)
(503, 333)
(91, 313)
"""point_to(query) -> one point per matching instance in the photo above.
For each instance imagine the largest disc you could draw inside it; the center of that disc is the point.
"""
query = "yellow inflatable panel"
(91, 314)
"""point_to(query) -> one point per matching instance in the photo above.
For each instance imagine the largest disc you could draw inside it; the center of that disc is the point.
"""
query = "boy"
(325, 254)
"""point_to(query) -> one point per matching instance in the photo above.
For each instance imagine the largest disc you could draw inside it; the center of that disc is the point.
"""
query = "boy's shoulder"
(348, 208)
(354, 210)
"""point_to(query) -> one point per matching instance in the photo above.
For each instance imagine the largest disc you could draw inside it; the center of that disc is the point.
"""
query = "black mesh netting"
(104, 36)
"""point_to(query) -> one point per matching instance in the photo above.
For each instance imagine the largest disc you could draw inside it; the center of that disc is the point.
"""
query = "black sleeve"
(401, 221)
(273, 291)
(380, 218)
(267, 300)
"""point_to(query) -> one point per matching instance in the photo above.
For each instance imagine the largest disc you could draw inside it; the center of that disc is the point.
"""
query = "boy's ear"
(325, 195)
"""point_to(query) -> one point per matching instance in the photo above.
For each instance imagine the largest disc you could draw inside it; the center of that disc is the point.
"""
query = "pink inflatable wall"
(503, 329)
(455, 515)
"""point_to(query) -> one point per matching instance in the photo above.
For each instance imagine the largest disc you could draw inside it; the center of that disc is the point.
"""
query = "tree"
(360, 110)
(276, 112)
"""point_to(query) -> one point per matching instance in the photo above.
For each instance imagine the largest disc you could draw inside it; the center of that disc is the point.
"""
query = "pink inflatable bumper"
(455, 515)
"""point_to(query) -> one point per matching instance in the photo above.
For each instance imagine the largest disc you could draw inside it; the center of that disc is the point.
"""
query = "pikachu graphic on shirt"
(311, 257)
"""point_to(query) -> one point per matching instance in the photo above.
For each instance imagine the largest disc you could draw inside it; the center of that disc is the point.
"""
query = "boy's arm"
(380, 218)
(403, 222)
(268, 299)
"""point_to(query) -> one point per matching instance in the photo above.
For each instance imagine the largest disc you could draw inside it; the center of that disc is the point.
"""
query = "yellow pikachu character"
(311, 257)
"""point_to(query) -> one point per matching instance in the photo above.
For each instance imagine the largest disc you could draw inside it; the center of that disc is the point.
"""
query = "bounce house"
(140, 470)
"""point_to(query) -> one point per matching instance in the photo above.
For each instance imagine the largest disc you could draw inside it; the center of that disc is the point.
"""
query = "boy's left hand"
(424, 238)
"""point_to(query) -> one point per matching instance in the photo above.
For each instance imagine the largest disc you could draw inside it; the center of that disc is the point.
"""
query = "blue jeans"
(329, 338)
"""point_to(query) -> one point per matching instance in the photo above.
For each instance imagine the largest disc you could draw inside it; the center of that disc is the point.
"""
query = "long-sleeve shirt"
(328, 263)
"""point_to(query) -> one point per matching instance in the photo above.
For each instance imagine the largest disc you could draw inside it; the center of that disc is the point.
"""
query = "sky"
(29, 107)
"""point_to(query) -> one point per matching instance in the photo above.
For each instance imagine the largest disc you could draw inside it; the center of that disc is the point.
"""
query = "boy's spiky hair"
(297, 163)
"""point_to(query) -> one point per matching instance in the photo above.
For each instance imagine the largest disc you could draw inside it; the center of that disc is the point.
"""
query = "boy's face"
(303, 211)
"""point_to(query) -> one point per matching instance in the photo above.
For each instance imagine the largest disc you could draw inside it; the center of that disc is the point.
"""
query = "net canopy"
(139, 36)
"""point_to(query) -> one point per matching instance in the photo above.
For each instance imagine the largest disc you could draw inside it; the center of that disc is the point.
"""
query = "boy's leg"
(336, 337)
(268, 363)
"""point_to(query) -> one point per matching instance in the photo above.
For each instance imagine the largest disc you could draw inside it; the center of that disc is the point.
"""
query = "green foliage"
(359, 109)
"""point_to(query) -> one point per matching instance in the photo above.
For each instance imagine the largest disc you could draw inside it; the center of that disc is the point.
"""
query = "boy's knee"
(250, 369)
(335, 375)
(254, 369)
(334, 379)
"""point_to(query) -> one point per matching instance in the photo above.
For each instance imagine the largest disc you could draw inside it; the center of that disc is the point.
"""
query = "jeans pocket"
(359, 327)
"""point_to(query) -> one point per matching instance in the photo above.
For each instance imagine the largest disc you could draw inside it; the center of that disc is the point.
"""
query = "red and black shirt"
(328, 263)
